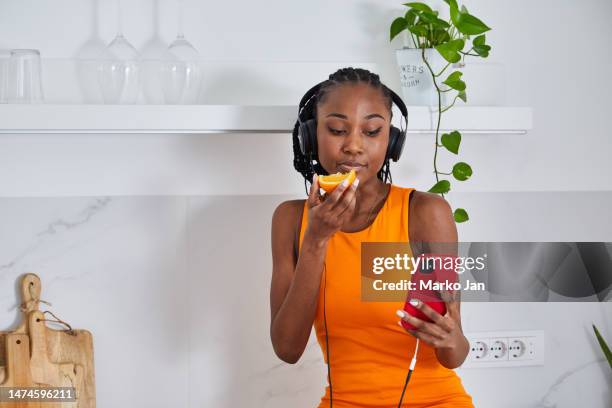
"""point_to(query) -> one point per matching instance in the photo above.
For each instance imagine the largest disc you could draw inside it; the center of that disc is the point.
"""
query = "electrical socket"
(521, 348)
(505, 349)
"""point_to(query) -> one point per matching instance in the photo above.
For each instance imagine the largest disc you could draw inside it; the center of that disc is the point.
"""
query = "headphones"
(307, 129)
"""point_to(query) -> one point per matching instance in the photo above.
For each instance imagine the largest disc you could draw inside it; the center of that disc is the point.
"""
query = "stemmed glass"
(119, 70)
(180, 68)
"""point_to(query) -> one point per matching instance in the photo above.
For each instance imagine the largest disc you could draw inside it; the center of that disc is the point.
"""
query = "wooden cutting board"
(57, 358)
(17, 348)
(46, 373)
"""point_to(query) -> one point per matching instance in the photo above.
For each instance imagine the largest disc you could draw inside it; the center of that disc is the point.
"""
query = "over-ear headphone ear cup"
(399, 146)
(302, 138)
(394, 134)
(305, 145)
(312, 135)
(307, 135)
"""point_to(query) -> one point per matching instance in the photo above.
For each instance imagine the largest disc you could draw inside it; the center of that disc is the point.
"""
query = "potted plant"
(440, 43)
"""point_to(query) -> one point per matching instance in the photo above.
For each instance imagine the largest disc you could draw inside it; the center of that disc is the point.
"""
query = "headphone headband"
(315, 89)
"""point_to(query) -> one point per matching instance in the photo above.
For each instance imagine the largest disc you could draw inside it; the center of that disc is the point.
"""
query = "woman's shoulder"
(290, 207)
(424, 201)
(430, 214)
(288, 216)
(289, 210)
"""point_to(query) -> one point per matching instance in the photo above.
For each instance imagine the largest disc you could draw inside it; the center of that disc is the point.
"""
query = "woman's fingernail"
(356, 183)
(414, 302)
(345, 182)
(401, 313)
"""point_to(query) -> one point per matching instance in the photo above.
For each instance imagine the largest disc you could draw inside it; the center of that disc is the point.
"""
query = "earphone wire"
(410, 370)
(331, 392)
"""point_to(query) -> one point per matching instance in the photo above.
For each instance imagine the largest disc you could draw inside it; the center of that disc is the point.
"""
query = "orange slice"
(330, 182)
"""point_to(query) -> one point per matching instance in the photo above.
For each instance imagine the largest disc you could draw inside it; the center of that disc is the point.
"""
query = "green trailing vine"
(449, 38)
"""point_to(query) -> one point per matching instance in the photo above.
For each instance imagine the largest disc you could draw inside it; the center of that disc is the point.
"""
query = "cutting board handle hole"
(37, 319)
(18, 341)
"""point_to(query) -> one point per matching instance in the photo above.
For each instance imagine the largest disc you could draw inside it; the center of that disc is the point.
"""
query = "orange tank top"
(370, 353)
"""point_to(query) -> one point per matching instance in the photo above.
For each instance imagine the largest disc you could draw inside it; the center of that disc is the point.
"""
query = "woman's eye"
(373, 132)
(341, 131)
(336, 131)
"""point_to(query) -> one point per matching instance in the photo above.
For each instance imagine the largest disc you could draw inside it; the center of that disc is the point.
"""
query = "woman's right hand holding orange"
(328, 213)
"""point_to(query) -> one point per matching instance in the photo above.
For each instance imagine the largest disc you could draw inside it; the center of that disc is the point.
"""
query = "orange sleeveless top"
(370, 353)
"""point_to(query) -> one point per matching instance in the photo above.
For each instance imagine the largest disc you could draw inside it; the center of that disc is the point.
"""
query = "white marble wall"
(117, 267)
(176, 293)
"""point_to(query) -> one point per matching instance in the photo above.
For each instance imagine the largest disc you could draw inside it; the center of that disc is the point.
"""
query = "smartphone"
(436, 270)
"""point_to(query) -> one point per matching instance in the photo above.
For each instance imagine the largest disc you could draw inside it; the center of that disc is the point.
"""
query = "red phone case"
(430, 297)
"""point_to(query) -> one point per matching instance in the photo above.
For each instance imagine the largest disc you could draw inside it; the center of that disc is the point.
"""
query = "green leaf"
(428, 18)
(431, 18)
(480, 40)
(460, 215)
(441, 24)
(419, 6)
(462, 171)
(411, 16)
(455, 14)
(454, 77)
(455, 82)
(451, 141)
(441, 36)
(441, 187)
(604, 346)
(420, 30)
(397, 26)
(469, 25)
(482, 50)
(450, 50)
(452, 3)
(461, 95)
(480, 47)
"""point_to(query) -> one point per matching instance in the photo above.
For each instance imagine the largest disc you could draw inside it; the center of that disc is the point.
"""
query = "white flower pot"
(416, 79)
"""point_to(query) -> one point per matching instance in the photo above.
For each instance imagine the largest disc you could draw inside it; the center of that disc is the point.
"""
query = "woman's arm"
(294, 290)
(437, 229)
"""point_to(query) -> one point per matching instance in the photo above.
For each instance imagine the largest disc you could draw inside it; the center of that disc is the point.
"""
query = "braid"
(351, 75)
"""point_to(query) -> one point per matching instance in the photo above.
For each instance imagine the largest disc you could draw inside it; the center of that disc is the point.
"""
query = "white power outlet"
(499, 349)
(522, 348)
(505, 349)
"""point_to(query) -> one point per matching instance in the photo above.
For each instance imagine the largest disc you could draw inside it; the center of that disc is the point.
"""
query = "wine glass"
(180, 68)
(119, 70)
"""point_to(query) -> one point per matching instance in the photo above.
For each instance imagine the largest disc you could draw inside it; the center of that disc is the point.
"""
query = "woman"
(315, 249)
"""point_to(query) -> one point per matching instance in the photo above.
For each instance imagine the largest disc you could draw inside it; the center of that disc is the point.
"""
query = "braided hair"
(302, 163)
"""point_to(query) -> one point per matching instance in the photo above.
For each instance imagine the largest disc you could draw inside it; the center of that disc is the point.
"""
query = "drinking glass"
(180, 69)
(119, 69)
(23, 83)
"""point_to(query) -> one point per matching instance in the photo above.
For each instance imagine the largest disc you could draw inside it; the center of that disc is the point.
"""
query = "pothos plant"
(449, 38)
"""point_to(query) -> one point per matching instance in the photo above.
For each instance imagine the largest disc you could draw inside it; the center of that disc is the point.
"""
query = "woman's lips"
(346, 168)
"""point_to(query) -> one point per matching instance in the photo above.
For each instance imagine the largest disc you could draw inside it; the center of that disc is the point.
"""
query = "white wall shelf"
(81, 118)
